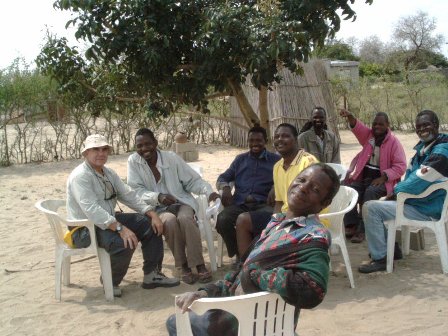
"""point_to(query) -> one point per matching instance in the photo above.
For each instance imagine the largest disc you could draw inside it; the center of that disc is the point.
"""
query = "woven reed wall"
(291, 100)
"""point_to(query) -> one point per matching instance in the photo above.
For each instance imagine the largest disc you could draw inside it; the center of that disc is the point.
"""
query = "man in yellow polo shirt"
(293, 161)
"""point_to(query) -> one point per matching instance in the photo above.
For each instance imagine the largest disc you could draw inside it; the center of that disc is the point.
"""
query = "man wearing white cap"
(92, 193)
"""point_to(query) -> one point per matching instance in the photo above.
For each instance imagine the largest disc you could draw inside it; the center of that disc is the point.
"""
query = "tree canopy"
(415, 38)
(164, 52)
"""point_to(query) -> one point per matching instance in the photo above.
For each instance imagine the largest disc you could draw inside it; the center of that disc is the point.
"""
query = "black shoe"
(374, 266)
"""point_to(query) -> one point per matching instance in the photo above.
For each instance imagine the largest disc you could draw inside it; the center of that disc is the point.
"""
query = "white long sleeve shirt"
(177, 179)
(90, 196)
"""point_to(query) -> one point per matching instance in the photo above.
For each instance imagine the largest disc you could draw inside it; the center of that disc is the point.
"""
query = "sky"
(23, 23)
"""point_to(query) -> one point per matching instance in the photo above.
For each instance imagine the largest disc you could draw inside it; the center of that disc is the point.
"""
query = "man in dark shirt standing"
(251, 174)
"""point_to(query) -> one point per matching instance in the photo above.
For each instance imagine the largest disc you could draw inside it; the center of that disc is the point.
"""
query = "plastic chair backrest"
(339, 169)
(258, 314)
(59, 224)
(197, 168)
(345, 200)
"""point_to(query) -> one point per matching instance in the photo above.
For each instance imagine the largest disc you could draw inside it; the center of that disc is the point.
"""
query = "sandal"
(188, 277)
(205, 277)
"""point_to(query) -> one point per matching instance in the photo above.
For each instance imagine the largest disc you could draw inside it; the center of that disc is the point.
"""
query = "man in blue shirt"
(251, 174)
(428, 166)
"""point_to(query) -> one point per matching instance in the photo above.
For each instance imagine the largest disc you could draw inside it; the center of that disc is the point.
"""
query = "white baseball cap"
(94, 141)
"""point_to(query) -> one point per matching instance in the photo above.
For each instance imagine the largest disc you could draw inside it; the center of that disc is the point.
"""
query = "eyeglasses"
(108, 187)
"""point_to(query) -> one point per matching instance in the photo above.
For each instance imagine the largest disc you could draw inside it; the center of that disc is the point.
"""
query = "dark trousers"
(366, 192)
(120, 256)
(225, 224)
(212, 323)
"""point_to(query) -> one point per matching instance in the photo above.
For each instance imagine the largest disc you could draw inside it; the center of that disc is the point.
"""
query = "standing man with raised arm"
(375, 170)
(92, 193)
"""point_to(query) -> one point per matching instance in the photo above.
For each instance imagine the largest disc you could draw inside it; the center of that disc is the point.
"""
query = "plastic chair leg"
(210, 245)
(59, 258)
(440, 233)
(66, 270)
(220, 250)
(106, 273)
(348, 265)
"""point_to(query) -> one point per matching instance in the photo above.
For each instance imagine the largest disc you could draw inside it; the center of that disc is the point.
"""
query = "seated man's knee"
(169, 221)
(185, 218)
(224, 220)
(244, 222)
(371, 207)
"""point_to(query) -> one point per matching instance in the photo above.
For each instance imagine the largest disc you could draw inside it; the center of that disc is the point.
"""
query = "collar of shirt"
(280, 218)
(263, 155)
(297, 158)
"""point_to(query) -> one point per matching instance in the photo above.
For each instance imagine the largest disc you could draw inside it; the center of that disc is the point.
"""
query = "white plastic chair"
(341, 170)
(343, 202)
(438, 226)
(63, 252)
(207, 220)
(261, 313)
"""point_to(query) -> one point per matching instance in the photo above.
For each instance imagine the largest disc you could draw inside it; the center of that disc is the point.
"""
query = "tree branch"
(233, 122)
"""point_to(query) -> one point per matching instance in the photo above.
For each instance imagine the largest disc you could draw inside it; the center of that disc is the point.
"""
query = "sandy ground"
(410, 301)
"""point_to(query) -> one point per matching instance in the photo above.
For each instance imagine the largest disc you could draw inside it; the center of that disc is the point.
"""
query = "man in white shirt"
(92, 193)
(162, 179)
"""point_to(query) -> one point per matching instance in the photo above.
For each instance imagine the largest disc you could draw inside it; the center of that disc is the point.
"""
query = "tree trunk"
(246, 109)
(264, 111)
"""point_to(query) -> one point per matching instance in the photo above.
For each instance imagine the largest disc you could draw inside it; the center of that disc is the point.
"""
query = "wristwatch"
(119, 228)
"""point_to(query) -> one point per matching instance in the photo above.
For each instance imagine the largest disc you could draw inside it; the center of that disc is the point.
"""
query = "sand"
(410, 301)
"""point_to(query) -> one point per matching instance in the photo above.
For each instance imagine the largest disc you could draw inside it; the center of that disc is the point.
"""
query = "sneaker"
(117, 291)
(374, 266)
(158, 279)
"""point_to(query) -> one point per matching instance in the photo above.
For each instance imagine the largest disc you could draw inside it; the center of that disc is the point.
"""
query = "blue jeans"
(374, 214)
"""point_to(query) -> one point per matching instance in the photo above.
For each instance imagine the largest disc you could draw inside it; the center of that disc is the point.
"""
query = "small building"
(345, 70)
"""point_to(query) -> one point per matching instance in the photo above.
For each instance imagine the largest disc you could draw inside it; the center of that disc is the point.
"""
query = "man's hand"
(391, 197)
(156, 223)
(213, 196)
(185, 300)
(348, 116)
(129, 238)
(166, 199)
(379, 181)
(227, 197)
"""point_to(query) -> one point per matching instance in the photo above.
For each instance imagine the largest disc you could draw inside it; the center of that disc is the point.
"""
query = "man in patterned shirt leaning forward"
(298, 272)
